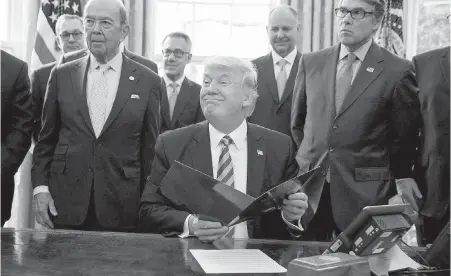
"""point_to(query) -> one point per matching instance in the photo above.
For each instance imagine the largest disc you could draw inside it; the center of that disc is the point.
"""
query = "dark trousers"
(322, 227)
(431, 228)
(7, 196)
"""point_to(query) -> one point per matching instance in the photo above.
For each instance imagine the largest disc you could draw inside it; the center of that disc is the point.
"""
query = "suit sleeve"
(299, 106)
(150, 131)
(37, 97)
(404, 124)
(156, 214)
(16, 144)
(48, 136)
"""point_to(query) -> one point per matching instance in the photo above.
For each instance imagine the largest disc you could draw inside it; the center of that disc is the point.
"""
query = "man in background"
(99, 126)
(70, 37)
(357, 104)
(17, 120)
(277, 71)
(180, 96)
(432, 172)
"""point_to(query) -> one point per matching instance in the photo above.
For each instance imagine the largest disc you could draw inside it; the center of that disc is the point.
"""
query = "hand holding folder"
(198, 193)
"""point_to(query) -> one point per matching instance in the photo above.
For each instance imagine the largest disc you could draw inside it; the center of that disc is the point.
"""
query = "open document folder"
(200, 193)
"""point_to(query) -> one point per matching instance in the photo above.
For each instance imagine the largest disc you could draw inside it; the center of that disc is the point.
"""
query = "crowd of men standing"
(107, 128)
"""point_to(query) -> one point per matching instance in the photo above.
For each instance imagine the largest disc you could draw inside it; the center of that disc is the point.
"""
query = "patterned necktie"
(344, 82)
(172, 98)
(225, 165)
(98, 99)
(281, 77)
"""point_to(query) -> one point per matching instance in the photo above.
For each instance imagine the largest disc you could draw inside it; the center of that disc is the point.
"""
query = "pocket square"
(134, 96)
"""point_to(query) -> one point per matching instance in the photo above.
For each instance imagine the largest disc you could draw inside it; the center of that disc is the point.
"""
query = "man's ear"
(124, 32)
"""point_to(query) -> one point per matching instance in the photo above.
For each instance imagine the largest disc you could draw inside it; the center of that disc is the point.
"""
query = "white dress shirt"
(113, 75)
(360, 54)
(289, 58)
(168, 82)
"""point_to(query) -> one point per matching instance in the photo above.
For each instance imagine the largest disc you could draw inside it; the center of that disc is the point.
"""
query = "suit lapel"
(370, 69)
(200, 150)
(124, 91)
(268, 77)
(182, 99)
(256, 157)
(79, 82)
(165, 104)
(290, 82)
(330, 72)
(444, 61)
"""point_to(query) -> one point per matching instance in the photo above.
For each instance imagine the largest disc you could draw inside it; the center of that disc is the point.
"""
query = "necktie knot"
(351, 57)
(103, 68)
(174, 86)
(226, 141)
(282, 63)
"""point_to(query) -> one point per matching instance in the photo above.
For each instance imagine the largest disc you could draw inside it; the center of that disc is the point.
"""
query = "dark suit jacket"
(40, 77)
(191, 146)
(69, 159)
(187, 110)
(269, 112)
(371, 141)
(433, 172)
(16, 123)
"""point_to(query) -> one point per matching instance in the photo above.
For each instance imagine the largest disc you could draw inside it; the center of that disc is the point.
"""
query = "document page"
(236, 261)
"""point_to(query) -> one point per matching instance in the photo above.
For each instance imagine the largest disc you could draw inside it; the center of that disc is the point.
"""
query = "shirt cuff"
(185, 233)
(41, 189)
(399, 180)
(292, 226)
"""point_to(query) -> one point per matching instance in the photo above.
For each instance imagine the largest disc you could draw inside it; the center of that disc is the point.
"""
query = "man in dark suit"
(248, 157)
(432, 173)
(70, 37)
(99, 127)
(16, 124)
(357, 103)
(180, 97)
(277, 71)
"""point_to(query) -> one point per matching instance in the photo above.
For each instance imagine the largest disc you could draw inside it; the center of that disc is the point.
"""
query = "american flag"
(390, 35)
(45, 48)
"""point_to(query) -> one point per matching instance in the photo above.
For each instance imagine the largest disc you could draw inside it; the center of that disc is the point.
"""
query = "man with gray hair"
(100, 122)
(357, 104)
(248, 157)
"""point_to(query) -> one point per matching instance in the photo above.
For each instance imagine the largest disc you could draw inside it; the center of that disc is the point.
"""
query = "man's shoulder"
(268, 134)
(431, 56)
(258, 62)
(149, 74)
(12, 63)
(144, 61)
(183, 134)
(44, 70)
(194, 85)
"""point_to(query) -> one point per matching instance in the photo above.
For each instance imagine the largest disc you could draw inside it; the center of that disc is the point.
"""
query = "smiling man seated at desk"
(245, 156)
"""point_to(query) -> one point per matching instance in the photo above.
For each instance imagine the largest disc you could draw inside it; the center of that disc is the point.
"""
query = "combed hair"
(65, 17)
(379, 8)
(180, 35)
(292, 10)
(246, 67)
(123, 15)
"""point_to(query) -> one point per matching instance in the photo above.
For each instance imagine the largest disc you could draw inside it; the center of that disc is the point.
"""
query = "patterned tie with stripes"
(225, 165)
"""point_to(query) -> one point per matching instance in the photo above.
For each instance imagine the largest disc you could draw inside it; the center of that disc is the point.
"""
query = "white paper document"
(236, 261)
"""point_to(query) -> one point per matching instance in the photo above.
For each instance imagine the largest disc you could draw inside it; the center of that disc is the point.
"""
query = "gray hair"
(291, 9)
(123, 15)
(379, 8)
(249, 80)
(180, 35)
(65, 17)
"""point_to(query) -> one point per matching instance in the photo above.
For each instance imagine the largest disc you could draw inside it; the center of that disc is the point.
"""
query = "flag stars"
(55, 3)
(66, 4)
(75, 7)
(54, 17)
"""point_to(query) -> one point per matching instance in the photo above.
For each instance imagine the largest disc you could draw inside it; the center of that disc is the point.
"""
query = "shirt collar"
(290, 57)
(115, 63)
(238, 136)
(360, 53)
(168, 81)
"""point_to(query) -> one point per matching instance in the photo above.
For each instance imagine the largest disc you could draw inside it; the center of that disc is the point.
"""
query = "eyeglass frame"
(76, 35)
(337, 10)
(172, 52)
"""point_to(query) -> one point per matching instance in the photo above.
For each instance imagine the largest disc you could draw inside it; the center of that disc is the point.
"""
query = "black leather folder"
(200, 193)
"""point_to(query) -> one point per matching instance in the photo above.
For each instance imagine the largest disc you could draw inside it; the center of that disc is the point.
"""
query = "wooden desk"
(63, 252)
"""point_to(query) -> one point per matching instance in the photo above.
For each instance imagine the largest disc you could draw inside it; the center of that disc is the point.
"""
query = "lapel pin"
(370, 69)
(259, 152)
(131, 78)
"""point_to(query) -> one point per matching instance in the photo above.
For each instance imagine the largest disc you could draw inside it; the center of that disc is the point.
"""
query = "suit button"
(91, 169)
(334, 126)
(331, 149)
(278, 111)
(100, 145)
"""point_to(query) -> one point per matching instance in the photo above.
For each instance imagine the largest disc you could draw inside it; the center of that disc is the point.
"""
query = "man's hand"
(408, 190)
(207, 231)
(44, 202)
(294, 207)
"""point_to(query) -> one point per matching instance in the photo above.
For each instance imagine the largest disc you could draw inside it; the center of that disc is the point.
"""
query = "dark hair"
(180, 35)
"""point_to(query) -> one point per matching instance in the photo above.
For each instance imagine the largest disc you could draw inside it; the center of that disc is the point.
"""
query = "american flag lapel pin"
(131, 78)
(259, 152)
(370, 69)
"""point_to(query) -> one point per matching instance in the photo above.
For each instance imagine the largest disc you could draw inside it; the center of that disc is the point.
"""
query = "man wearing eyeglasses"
(358, 104)
(180, 104)
(100, 122)
(70, 37)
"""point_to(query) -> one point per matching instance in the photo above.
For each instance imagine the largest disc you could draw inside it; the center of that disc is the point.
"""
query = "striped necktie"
(225, 164)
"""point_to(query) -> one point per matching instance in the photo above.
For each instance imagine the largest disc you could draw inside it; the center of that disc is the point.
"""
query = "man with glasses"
(432, 172)
(70, 37)
(357, 104)
(180, 97)
(100, 122)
